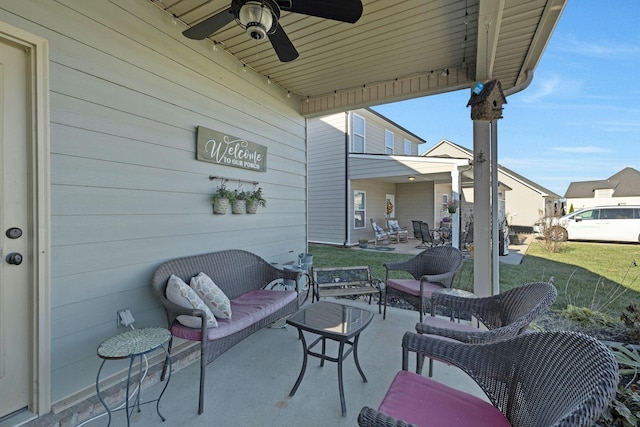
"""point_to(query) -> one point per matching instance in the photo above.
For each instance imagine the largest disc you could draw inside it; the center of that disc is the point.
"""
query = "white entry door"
(16, 259)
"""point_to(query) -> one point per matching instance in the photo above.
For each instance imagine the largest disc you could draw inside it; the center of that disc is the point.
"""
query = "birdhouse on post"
(486, 104)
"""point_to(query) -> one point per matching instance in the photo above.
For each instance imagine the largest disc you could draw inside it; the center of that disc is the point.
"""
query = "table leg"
(340, 383)
(304, 363)
(100, 396)
(137, 404)
(131, 359)
(324, 350)
(166, 352)
(355, 357)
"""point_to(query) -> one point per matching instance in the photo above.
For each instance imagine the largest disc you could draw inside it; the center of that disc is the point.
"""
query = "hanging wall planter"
(452, 206)
(220, 206)
(220, 200)
(239, 207)
(255, 199)
(239, 202)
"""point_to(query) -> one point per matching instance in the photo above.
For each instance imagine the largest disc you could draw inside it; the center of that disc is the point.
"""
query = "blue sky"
(579, 119)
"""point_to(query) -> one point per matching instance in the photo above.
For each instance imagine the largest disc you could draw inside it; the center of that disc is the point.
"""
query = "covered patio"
(110, 184)
(249, 384)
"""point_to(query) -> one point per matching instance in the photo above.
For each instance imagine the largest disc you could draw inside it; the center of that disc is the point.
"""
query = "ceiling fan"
(259, 18)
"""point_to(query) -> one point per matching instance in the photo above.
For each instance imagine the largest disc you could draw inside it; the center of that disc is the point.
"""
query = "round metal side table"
(133, 344)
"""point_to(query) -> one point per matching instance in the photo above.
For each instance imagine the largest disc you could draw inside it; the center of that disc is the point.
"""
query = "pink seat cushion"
(247, 309)
(412, 286)
(424, 402)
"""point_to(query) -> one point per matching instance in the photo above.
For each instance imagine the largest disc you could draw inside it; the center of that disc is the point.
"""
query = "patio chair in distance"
(397, 233)
(427, 235)
(380, 234)
(432, 269)
(542, 379)
(504, 315)
(417, 234)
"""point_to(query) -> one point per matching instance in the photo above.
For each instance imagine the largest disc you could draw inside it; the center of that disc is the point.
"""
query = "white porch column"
(482, 281)
(495, 260)
(455, 218)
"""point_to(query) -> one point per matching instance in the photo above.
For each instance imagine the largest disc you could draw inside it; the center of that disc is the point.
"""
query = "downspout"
(346, 180)
(520, 87)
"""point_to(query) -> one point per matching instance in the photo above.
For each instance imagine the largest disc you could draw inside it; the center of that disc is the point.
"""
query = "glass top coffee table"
(334, 321)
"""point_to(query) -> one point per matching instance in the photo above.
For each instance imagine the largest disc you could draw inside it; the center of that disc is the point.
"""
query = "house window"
(603, 194)
(388, 142)
(407, 147)
(445, 202)
(358, 134)
(359, 211)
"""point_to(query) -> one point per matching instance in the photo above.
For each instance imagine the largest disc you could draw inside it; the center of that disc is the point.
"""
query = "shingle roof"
(469, 154)
(625, 183)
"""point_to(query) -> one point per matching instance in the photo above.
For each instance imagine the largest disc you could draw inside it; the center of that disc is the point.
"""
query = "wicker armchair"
(545, 379)
(432, 269)
(505, 315)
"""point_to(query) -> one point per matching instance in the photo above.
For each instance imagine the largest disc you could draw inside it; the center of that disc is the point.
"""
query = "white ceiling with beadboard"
(397, 50)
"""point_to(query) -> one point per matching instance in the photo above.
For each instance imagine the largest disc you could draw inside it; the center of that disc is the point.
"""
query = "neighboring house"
(363, 166)
(622, 188)
(525, 202)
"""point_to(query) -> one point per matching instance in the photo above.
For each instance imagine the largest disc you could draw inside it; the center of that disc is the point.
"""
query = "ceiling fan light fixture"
(257, 19)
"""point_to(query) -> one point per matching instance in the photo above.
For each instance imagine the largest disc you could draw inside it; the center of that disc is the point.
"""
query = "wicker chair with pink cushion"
(504, 315)
(544, 379)
(432, 269)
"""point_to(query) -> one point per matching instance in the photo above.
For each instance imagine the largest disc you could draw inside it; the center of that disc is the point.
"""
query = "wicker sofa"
(243, 277)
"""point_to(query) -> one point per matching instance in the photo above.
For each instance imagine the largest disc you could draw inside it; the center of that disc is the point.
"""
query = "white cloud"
(582, 150)
(598, 49)
(546, 87)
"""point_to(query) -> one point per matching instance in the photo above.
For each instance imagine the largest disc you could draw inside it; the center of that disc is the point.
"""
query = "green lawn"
(600, 276)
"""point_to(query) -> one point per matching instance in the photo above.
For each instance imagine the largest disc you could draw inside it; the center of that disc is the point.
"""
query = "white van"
(603, 223)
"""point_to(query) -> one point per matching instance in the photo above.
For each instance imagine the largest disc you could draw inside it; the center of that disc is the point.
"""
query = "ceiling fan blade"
(281, 43)
(340, 10)
(205, 28)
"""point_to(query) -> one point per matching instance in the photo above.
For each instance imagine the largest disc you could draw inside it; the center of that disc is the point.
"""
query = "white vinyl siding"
(358, 134)
(126, 190)
(327, 181)
(388, 142)
(407, 147)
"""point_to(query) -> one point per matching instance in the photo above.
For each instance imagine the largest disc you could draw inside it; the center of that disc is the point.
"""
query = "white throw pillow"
(212, 295)
(180, 293)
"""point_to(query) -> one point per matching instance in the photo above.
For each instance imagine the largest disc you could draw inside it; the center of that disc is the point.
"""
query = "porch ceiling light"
(411, 178)
(257, 19)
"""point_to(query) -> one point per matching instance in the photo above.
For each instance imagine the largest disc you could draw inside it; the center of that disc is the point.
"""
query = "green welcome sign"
(226, 150)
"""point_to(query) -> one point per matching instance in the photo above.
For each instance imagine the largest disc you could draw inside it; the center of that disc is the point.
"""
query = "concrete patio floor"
(249, 385)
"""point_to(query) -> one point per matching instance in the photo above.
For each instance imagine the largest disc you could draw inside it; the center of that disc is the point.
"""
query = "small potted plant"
(220, 200)
(255, 199)
(239, 202)
(363, 243)
(452, 206)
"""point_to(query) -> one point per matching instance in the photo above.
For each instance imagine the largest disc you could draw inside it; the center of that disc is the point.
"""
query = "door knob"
(14, 258)
(14, 233)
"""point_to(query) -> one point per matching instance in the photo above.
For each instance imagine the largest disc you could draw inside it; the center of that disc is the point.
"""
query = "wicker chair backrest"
(437, 260)
(518, 305)
(556, 379)
(235, 271)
